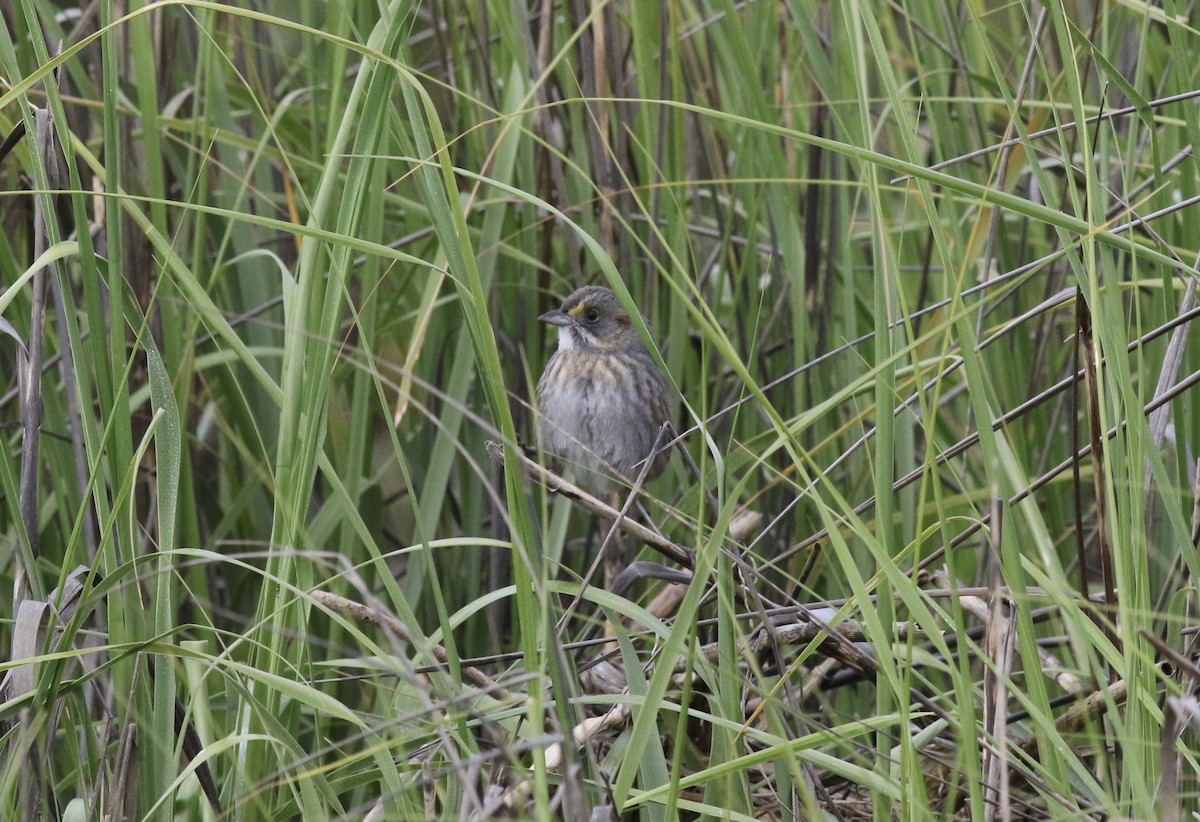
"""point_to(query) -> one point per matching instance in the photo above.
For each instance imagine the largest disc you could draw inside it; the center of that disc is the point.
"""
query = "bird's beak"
(557, 317)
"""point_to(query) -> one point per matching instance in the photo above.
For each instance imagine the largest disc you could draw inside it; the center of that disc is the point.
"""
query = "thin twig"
(553, 482)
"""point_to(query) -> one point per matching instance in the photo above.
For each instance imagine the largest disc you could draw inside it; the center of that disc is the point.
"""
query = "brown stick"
(670, 550)
(362, 613)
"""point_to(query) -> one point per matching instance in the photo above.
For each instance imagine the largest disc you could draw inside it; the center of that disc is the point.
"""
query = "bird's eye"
(591, 315)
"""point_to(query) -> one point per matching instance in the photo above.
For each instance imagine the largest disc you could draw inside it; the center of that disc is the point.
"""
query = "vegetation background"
(922, 274)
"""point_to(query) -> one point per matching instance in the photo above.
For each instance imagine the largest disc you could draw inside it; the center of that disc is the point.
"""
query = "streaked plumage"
(602, 397)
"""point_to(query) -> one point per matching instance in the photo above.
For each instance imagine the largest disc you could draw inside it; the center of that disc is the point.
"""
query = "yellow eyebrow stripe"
(577, 310)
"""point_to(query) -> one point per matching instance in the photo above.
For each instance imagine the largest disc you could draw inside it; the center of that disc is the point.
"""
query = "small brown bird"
(602, 398)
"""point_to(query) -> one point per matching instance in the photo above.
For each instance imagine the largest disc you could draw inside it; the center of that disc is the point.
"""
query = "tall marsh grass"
(922, 276)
